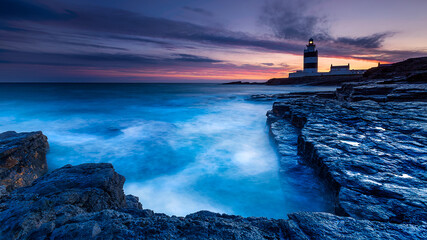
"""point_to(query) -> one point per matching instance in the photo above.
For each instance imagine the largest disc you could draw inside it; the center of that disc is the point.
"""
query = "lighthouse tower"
(310, 57)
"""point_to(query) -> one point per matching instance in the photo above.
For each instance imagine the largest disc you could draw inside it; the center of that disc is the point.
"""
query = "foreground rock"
(87, 202)
(304, 226)
(22, 158)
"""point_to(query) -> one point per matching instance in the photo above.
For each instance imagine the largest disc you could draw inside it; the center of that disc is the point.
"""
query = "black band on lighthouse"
(310, 65)
(310, 54)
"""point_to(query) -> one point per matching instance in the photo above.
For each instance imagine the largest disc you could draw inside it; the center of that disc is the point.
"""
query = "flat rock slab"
(22, 158)
(373, 154)
(305, 226)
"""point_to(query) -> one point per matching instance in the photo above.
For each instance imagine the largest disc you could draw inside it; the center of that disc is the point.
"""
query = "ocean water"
(182, 147)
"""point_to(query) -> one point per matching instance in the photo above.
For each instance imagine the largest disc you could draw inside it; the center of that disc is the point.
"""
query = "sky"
(200, 40)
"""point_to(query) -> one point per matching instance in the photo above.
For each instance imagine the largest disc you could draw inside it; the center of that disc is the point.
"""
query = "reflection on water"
(181, 147)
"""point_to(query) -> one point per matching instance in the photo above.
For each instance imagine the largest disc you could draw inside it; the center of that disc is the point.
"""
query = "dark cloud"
(193, 58)
(24, 10)
(93, 45)
(5, 27)
(99, 59)
(298, 20)
(372, 41)
(64, 59)
(268, 64)
(125, 25)
(129, 23)
(290, 19)
(200, 11)
(137, 39)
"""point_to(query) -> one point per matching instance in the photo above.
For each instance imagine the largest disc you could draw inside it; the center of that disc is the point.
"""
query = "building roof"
(340, 66)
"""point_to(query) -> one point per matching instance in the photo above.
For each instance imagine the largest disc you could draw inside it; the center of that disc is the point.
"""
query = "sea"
(181, 147)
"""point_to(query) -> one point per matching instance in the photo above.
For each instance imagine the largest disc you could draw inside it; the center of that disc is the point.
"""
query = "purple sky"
(200, 41)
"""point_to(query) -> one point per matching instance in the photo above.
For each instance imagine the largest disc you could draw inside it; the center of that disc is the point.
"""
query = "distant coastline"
(243, 83)
(330, 80)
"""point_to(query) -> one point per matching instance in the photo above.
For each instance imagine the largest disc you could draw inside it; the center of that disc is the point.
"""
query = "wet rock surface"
(304, 226)
(87, 202)
(383, 91)
(22, 158)
(371, 149)
(277, 96)
(373, 154)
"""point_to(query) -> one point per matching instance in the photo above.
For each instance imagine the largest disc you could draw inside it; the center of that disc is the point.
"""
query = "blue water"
(181, 147)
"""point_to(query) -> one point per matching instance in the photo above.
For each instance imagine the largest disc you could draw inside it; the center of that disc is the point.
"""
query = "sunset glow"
(167, 41)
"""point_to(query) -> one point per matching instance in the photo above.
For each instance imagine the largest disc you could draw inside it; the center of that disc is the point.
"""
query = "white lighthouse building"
(311, 65)
(310, 58)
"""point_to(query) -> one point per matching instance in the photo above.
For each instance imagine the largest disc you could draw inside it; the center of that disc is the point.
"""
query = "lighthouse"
(311, 64)
(310, 57)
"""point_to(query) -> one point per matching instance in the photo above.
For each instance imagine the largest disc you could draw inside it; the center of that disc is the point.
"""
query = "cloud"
(91, 27)
(138, 39)
(371, 41)
(129, 23)
(116, 60)
(23, 10)
(296, 20)
(64, 59)
(93, 45)
(200, 11)
(268, 64)
(291, 19)
(193, 58)
(126, 25)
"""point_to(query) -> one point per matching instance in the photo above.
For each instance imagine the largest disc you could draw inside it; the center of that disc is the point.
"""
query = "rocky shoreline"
(371, 154)
(366, 140)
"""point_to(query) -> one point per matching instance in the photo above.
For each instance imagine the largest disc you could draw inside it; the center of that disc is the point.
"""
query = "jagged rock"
(373, 154)
(304, 226)
(59, 196)
(380, 92)
(269, 97)
(133, 202)
(3, 191)
(87, 202)
(22, 158)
